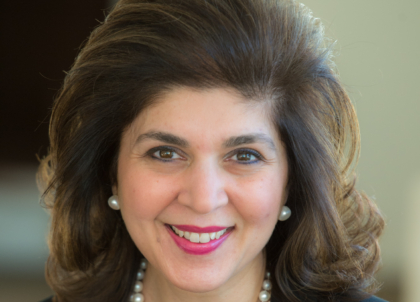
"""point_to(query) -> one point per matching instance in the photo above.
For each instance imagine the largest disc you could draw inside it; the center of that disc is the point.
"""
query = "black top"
(374, 299)
(371, 299)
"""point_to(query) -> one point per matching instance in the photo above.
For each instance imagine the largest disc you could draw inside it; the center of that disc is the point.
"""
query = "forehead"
(217, 99)
(209, 113)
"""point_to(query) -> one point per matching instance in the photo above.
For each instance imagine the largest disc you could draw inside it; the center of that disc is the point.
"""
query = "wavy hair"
(268, 50)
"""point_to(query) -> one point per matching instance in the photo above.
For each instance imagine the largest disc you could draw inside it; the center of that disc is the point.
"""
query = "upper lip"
(197, 229)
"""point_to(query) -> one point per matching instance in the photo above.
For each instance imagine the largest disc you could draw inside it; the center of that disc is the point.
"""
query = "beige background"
(378, 58)
(379, 62)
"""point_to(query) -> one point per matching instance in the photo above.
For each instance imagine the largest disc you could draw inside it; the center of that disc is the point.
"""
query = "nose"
(204, 188)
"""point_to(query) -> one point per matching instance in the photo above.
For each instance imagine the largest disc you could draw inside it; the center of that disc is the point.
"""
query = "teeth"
(220, 233)
(204, 238)
(195, 237)
(199, 237)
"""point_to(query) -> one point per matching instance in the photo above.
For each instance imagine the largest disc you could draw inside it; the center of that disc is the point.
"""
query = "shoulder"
(371, 299)
(374, 299)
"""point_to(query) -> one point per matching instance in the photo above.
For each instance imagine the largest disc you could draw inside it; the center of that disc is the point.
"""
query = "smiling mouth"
(199, 237)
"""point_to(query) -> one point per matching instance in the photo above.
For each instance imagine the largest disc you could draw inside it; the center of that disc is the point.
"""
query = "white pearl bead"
(140, 275)
(138, 286)
(285, 213)
(138, 298)
(113, 202)
(266, 285)
(143, 264)
(264, 296)
(267, 275)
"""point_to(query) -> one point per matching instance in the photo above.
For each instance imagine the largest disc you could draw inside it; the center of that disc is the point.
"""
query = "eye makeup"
(165, 154)
(244, 156)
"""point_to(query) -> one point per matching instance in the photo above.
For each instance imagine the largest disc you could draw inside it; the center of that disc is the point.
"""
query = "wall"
(378, 59)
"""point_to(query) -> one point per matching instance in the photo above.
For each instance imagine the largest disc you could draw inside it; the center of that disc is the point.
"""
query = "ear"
(113, 175)
(115, 190)
(285, 196)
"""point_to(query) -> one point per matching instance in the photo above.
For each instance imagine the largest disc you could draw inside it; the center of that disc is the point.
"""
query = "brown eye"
(246, 156)
(166, 154)
(243, 156)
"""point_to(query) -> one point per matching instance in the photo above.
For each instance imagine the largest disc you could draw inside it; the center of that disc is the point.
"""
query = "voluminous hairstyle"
(270, 51)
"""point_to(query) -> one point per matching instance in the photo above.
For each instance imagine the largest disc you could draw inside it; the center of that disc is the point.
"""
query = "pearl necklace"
(137, 296)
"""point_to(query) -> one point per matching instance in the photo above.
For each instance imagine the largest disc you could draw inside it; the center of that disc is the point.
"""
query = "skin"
(206, 178)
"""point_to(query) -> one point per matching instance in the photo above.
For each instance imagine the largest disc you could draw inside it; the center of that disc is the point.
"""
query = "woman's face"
(207, 162)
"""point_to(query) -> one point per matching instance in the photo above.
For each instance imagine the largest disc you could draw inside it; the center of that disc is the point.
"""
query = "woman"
(201, 150)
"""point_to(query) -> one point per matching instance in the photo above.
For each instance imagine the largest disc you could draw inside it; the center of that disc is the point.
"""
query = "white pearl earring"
(285, 213)
(113, 202)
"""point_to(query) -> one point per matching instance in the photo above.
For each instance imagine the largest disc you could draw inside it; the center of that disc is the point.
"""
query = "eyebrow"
(231, 142)
(164, 137)
(249, 139)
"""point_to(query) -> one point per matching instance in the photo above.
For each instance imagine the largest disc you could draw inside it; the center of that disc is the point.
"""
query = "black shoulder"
(371, 299)
(374, 299)
(47, 300)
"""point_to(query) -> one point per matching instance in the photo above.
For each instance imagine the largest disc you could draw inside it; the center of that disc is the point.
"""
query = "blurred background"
(378, 56)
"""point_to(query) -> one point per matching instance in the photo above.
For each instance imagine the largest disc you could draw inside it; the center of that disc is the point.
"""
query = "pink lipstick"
(198, 248)
(196, 229)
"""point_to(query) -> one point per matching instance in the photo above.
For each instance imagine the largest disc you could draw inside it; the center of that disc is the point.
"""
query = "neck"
(243, 285)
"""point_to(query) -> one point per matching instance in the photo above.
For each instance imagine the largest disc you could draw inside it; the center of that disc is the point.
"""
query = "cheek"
(259, 201)
(144, 196)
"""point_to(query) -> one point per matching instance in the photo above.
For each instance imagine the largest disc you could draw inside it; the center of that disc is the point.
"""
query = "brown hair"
(265, 49)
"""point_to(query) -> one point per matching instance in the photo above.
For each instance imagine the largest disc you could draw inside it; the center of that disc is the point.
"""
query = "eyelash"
(257, 155)
(152, 151)
(254, 153)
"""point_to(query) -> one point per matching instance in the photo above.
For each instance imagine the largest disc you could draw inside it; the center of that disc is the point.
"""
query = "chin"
(199, 287)
(197, 281)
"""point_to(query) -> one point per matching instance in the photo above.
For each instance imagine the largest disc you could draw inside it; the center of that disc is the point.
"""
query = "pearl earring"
(113, 202)
(285, 213)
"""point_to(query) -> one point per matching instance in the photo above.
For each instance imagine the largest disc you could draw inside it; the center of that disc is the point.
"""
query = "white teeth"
(220, 233)
(204, 238)
(199, 237)
(194, 237)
